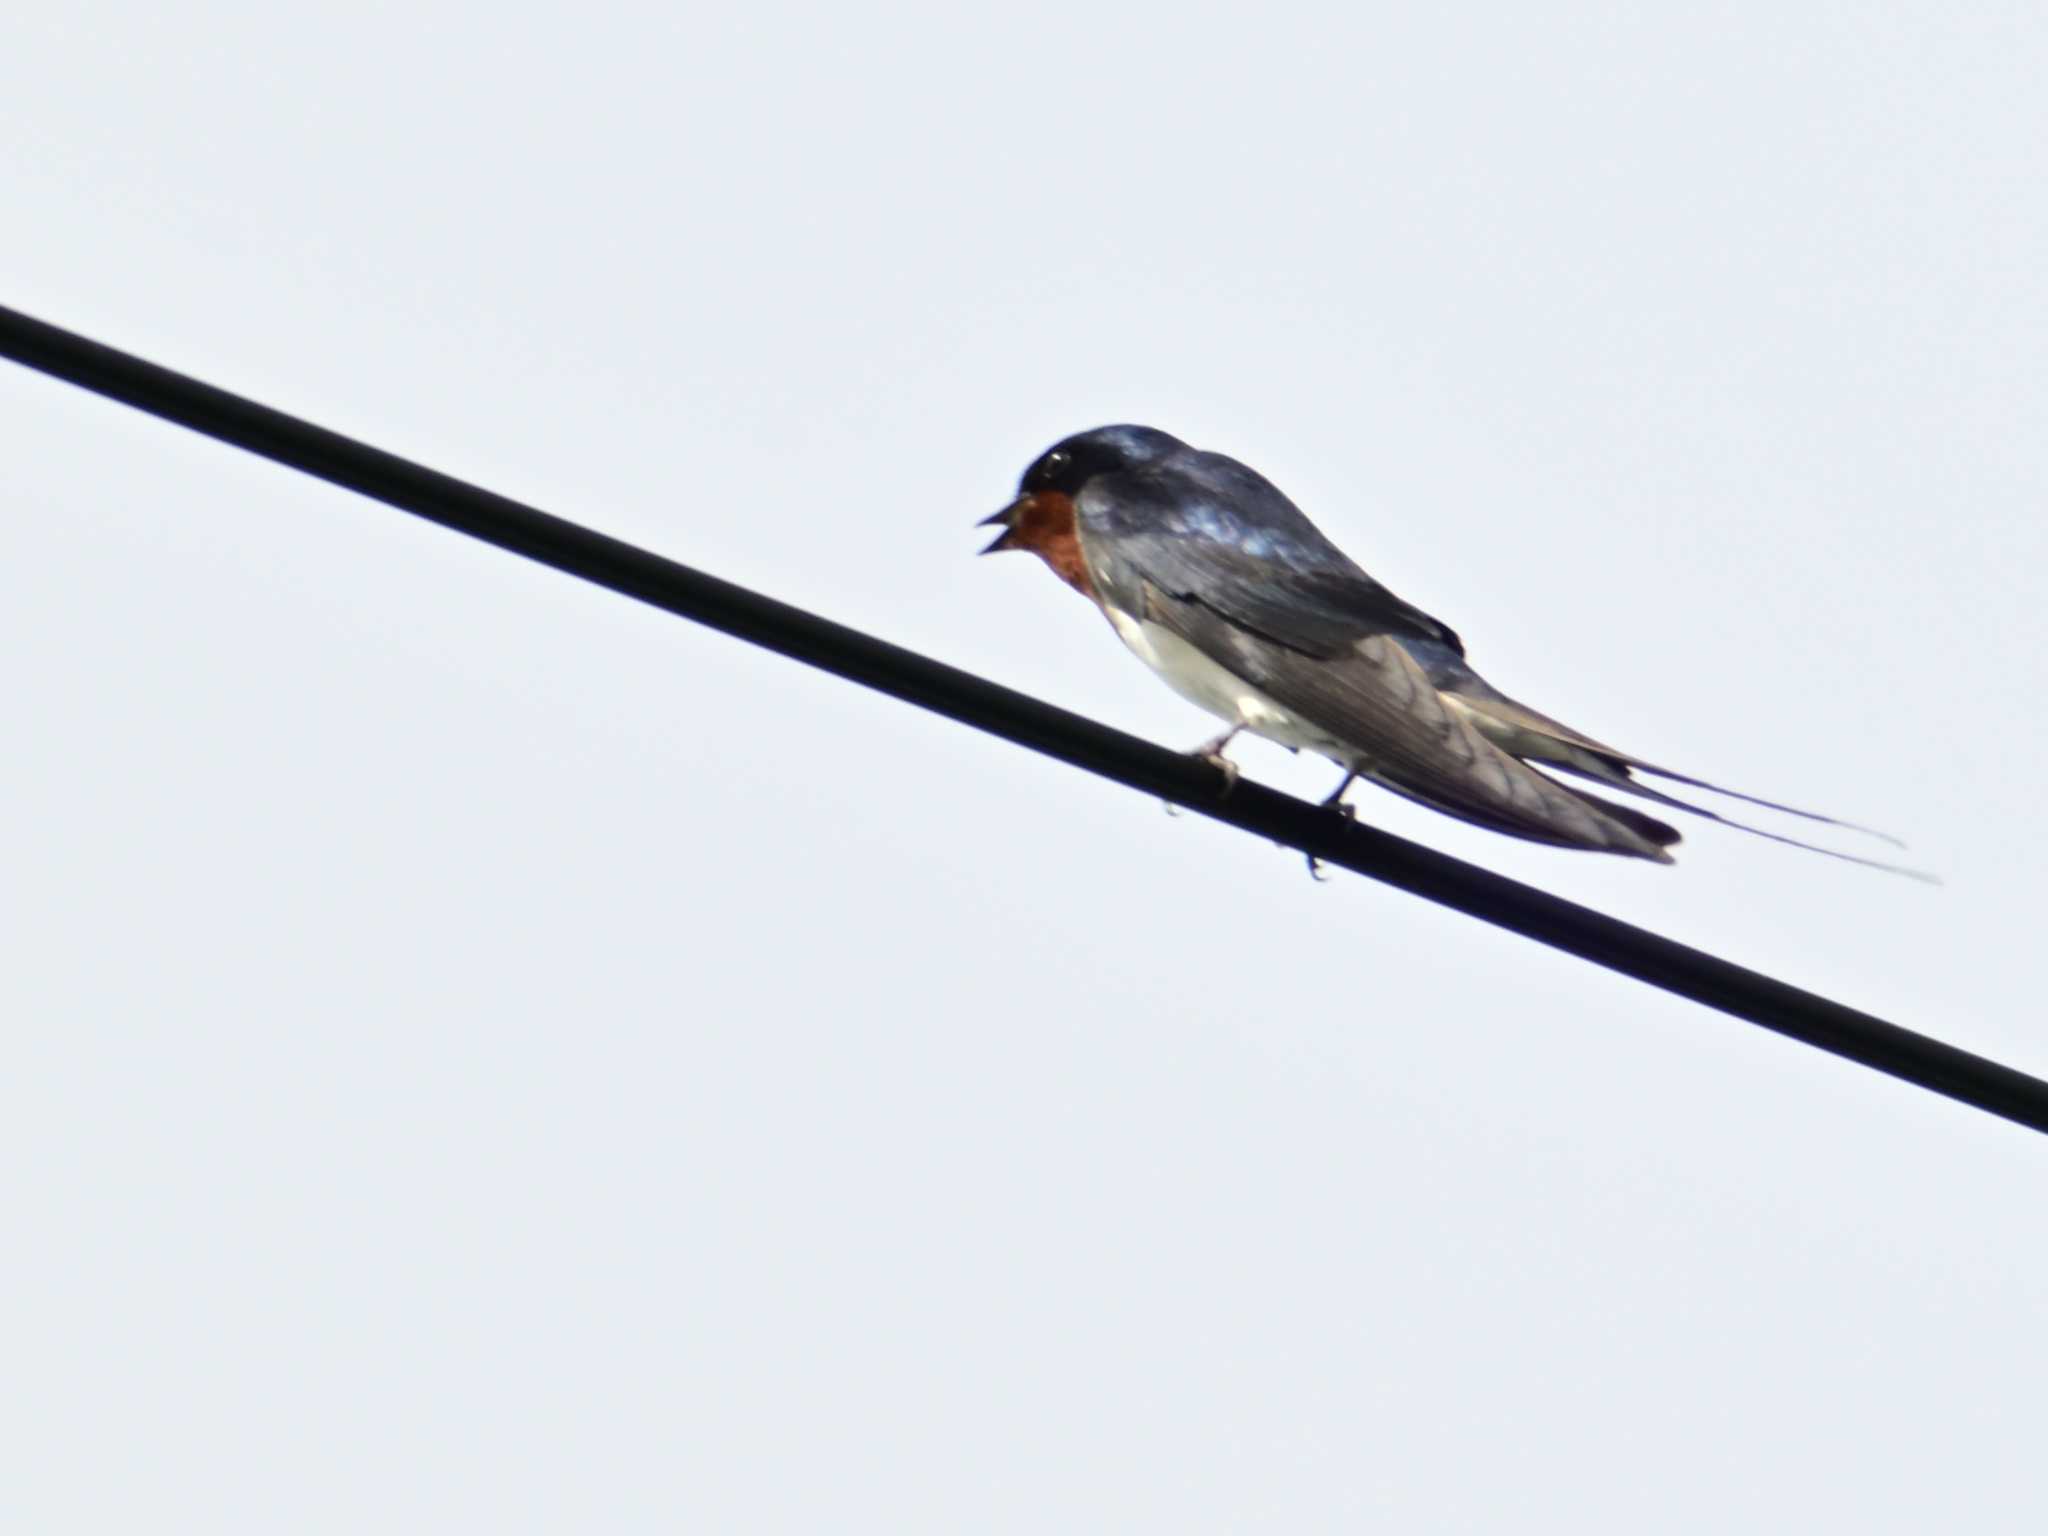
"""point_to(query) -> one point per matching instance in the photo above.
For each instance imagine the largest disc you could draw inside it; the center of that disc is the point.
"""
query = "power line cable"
(1029, 722)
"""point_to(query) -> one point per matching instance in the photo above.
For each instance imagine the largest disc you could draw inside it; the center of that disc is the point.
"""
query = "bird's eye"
(1055, 463)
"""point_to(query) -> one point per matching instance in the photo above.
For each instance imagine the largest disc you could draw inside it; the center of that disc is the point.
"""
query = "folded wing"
(1370, 693)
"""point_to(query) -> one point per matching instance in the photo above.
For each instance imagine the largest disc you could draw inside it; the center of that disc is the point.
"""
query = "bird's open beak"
(1008, 518)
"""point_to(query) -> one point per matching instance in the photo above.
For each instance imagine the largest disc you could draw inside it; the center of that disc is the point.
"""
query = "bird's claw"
(1211, 752)
(1343, 810)
(1224, 766)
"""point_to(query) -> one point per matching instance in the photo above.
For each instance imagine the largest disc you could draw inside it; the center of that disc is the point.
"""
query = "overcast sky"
(483, 1055)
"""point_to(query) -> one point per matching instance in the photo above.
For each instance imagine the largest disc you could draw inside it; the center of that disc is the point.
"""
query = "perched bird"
(1225, 589)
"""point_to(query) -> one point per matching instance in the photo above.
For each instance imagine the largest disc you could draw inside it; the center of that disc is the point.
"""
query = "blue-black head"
(1042, 516)
(1073, 461)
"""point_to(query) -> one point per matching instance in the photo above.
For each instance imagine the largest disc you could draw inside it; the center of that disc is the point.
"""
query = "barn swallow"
(1224, 588)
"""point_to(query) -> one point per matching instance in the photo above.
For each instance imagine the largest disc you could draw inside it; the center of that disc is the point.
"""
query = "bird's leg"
(1334, 801)
(1211, 751)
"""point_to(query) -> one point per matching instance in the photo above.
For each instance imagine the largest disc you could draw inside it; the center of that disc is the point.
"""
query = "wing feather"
(1374, 697)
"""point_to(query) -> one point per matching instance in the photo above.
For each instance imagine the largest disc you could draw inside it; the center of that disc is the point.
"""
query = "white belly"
(1202, 682)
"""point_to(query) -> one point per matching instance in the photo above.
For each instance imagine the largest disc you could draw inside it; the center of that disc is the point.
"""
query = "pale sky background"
(482, 1055)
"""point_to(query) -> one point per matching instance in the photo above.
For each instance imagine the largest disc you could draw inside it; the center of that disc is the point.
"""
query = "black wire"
(1027, 721)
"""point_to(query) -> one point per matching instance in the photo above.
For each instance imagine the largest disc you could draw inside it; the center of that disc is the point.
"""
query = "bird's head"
(1041, 518)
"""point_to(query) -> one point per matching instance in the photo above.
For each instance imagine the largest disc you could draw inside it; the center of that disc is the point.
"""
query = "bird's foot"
(1211, 752)
(1225, 766)
(1334, 801)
